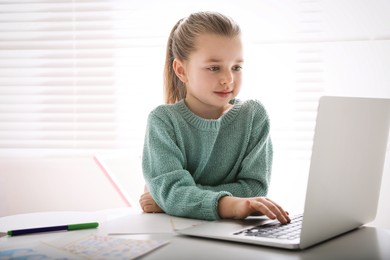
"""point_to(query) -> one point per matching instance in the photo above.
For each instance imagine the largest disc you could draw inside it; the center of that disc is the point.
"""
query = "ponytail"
(174, 88)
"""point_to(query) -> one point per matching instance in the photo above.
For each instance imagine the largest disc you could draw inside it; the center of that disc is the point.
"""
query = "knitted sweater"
(189, 163)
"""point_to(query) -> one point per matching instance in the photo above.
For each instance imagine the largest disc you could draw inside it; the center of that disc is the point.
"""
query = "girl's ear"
(178, 67)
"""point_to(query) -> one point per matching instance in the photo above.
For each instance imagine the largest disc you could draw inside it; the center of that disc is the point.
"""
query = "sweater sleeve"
(172, 187)
(254, 172)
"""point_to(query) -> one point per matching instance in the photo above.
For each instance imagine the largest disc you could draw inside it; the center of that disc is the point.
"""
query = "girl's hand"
(240, 208)
(148, 205)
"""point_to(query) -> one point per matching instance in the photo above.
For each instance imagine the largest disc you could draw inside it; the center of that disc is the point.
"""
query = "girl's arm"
(172, 187)
(231, 207)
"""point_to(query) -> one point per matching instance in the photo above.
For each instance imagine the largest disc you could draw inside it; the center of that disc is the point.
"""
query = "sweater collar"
(209, 124)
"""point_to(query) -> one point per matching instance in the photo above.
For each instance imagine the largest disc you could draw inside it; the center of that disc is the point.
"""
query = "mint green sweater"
(189, 163)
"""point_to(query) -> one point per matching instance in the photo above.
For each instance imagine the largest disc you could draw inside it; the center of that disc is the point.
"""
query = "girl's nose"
(227, 78)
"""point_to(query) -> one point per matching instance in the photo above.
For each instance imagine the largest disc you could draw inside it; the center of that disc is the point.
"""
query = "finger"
(143, 200)
(148, 209)
(262, 208)
(280, 213)
(284, 213)
(147, 202)
(143, 206)
(272, 211)
(145, 195)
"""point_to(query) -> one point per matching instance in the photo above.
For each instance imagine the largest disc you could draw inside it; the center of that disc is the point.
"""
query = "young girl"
(207, 155)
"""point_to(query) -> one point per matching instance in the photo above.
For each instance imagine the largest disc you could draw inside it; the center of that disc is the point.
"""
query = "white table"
(363, 243)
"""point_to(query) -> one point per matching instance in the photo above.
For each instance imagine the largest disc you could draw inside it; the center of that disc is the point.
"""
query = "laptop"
(346, 167)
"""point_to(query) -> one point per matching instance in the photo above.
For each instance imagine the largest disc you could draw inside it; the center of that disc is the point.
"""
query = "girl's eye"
(237, 68)
(213, 68)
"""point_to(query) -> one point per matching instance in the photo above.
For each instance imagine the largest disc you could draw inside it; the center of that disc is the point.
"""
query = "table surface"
(363, 243)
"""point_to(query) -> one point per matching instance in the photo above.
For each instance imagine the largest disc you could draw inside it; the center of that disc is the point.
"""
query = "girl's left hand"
(240, 208)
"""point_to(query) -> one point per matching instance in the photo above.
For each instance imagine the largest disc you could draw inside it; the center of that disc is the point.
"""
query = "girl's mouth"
(223, 94)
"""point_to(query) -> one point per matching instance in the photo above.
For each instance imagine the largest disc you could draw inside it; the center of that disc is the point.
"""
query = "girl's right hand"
(148, 205)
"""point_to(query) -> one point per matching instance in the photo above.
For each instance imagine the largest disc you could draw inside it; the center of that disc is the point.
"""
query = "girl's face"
(212, 74)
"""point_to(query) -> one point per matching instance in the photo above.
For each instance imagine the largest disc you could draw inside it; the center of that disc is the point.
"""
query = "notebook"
(346, 167)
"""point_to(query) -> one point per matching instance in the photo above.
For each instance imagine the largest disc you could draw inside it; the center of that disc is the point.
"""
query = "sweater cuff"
(210, 204)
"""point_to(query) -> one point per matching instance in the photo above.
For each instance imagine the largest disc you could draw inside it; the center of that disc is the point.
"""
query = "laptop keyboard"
(275, 229)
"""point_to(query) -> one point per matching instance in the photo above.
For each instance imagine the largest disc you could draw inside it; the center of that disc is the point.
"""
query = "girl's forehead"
(213, 46)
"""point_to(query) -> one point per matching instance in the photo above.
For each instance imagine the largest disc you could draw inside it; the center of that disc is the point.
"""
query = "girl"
(207, 155)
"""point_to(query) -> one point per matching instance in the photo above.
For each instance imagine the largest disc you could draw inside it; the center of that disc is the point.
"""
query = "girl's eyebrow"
(218, 60)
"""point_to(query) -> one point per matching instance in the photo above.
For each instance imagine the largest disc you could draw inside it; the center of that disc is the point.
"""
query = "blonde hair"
(181, 43)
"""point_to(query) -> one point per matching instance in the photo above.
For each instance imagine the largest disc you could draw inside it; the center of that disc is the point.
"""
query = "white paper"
(149, 223)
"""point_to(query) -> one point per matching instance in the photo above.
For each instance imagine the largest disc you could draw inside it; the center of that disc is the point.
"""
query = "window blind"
(67, 73)
(82, 76)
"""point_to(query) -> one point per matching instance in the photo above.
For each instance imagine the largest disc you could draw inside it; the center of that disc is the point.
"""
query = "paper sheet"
(148, 223)
(106, 247)
(38, 251)
(89, 247)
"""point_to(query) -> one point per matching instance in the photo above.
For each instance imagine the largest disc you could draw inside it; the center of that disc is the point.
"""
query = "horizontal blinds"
(291, 67)
(67, 73)
(306, 49)
(84, 74)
